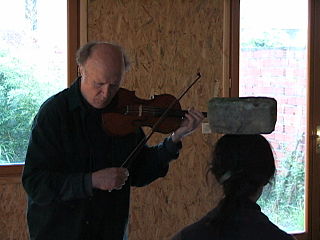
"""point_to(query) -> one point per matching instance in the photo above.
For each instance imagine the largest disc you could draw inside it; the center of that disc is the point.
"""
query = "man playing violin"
(76, 186)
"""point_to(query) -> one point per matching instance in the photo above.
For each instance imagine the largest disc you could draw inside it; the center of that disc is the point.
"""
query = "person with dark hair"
(243, 165)
(73, 174)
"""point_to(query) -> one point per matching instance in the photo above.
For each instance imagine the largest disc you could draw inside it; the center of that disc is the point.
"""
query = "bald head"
(86, 50)
(102, 67)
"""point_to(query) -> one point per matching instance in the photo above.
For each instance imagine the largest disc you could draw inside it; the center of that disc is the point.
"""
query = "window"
(272, 53)
(273, 63)
(33, 52)
(38, 40)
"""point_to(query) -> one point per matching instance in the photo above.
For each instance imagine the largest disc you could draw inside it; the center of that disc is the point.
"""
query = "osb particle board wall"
(168, 42)
(12, 212)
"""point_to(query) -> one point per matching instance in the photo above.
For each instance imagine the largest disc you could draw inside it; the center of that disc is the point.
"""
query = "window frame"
(231, 89)
(76, 35)
(313, 179)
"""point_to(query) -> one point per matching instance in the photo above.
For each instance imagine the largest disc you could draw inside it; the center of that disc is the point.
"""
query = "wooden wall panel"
(12, 212)
(168, 42)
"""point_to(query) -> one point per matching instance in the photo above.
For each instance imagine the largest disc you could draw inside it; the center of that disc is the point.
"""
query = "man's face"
(102, 75)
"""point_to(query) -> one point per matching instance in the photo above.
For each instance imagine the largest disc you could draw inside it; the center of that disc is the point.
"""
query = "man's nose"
(105, 90)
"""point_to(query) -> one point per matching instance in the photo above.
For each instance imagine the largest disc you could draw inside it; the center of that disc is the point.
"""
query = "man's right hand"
(109, 178)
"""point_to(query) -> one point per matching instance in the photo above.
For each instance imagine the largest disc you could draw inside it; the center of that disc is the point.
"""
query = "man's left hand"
(190, 122)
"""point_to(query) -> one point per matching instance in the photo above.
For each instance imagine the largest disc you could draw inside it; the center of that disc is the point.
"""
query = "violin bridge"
(140, 110)
(127, 110)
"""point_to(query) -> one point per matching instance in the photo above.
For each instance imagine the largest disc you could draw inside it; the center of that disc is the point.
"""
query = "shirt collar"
(75, 96)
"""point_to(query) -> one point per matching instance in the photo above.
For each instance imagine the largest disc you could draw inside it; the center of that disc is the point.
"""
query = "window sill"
(11, 173)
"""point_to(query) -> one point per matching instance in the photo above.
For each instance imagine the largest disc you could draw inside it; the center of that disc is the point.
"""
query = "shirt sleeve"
(153, 162)
(177, 236)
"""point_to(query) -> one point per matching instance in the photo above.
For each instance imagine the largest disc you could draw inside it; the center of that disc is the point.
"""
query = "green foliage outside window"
(20, 97)
(283, 200)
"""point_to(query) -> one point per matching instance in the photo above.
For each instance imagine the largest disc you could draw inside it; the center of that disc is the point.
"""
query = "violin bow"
(143, 141)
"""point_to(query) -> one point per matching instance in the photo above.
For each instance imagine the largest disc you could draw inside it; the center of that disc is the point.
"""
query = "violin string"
(173, 112)
(147, 109)
(158, 113)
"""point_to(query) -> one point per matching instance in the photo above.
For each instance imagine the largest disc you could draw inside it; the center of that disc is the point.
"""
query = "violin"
(128, 112)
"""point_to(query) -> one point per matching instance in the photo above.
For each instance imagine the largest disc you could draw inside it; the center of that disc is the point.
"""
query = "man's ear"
(81, 70)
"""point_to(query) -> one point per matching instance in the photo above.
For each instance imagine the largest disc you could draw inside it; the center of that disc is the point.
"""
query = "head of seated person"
(243, 165)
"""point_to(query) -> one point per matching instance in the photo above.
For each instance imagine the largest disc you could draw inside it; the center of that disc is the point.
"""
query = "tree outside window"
(33, 66)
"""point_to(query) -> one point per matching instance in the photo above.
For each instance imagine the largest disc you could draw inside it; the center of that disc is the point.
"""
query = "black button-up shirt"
(247, 223)
(67, 144)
